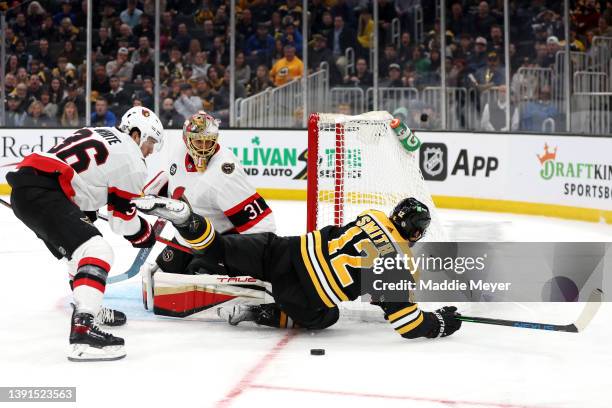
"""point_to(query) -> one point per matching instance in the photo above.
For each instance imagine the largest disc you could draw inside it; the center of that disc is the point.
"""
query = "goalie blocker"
(309, 274)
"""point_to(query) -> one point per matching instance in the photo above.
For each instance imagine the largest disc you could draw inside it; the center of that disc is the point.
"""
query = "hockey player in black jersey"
(310, 274)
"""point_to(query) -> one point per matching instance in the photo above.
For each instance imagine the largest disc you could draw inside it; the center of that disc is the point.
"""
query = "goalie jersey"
(96, 167)
(331, 262)
(221, 193)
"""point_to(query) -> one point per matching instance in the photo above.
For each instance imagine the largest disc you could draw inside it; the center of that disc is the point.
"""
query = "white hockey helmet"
(146, 121)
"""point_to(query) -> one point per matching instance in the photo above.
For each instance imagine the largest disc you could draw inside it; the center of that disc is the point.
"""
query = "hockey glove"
(144, 238)
(443, 322)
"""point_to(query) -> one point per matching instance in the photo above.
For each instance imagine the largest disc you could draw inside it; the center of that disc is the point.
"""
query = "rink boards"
(562, 176)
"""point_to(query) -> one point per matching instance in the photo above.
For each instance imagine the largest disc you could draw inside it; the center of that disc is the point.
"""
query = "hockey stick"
(6, 204)
(143, 254)
(589, 311)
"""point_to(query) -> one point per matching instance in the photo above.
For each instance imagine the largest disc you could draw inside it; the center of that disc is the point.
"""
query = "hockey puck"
(317, 352)
(424, 117)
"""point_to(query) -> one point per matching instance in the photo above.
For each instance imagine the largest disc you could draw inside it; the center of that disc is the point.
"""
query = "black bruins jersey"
(332, 262)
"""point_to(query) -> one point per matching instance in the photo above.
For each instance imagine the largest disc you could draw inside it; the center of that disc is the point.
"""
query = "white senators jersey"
(221, 193)
(96, 167)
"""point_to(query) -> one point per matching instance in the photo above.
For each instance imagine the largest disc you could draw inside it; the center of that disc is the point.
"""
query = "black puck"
(317, 352)
(424, 117)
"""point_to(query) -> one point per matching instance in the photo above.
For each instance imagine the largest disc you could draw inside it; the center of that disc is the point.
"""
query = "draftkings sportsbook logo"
(584, 179)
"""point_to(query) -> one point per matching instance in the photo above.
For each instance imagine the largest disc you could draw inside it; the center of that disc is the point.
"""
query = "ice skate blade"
(84, 352)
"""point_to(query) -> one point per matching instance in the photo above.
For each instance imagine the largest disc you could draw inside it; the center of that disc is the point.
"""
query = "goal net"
(357, 163)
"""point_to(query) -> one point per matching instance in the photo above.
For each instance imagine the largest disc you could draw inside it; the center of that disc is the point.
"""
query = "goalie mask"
(411, 217)
(200, 133)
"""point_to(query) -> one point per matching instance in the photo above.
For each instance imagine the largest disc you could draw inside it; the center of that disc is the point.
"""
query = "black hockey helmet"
(411, 217)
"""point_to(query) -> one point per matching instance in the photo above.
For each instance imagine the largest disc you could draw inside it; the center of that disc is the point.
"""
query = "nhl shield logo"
(433, 161)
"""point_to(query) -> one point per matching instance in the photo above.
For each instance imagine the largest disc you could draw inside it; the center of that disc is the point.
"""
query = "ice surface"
(205, 363)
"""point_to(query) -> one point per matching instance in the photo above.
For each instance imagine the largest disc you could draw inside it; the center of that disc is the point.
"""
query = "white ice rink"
(206, 363)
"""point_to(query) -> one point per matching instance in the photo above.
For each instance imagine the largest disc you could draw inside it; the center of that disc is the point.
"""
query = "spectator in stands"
(121, 66)
(483, 20)
(187, 104)
(143, 44)
(318, 53)
(458, 22)
(494, 114)
(70, 116)
(38, 70)
(182, 38)
(144, 28)
(340, 39)
(36, 118)
(103, 45)
(65, 13)
(534, 113)
(56, 90)
(194, 49)
(261, 82)
(404, 53)
(208, 36)
(35, 14)
(497, 39)
(362, 77)
(49, 108)
(146, 67)
(389, 57)
(365, 30)
(12, 64)
(219, 54)
(42, 54)
(420, 61)
(22, 55)
(287, 68)
(586, 16)
(20, 26)
(15, 116)
(146, 94)
(102, 116)
(126, 37)
(213, 77)
(245, 26)
(34, 87)
(243, 70)
(552, 47)
(21, 91)
(131, 15)
(464, 48)
(260, 46)
(478, 59)
(72, 95)
(276, 26)
(394, 78)
(169, 117)
(603, 28)
(67, 31)
(10, 82)
(99, 81)
(200, 66)
(491, 75)
(117, 98)
(71, 54)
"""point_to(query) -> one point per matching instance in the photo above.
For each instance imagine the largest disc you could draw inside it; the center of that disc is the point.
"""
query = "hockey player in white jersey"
(53, 192)
(215, 185)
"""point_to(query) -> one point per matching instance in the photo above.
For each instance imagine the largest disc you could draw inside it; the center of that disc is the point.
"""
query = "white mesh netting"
(362, 165)
(375, 171)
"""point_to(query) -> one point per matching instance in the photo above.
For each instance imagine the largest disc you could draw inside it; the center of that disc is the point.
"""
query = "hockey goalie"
(215, 185)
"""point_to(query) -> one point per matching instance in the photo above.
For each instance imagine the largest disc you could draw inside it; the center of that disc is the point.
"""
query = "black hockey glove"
(442, 322)
(144, 238)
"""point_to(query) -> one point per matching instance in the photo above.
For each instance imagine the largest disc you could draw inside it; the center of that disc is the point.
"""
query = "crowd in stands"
(45, 68)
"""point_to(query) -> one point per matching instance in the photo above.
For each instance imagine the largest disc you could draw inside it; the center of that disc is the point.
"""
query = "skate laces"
(106, 315)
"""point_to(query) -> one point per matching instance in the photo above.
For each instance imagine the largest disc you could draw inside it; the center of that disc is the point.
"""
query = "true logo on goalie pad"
(433, 161)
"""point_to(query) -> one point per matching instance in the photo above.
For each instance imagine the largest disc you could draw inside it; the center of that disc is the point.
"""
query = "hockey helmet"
(411, 217)
(200, 134)
(146, 121)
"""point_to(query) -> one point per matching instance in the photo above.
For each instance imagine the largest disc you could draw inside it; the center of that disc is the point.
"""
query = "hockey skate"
(89, 343)
(110, 317)
(175, 211)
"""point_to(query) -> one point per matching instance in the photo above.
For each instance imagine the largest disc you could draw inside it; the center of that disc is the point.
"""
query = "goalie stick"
(589, 311)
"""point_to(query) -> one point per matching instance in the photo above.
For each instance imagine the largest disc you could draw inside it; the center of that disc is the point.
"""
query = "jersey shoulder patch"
(228, 168)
